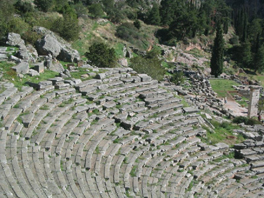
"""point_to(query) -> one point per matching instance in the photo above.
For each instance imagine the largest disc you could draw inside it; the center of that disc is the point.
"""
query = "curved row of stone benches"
(118, 135)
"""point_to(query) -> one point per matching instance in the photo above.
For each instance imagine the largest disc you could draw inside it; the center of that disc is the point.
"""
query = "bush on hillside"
(128, 32)
(245, 120)
(96, 10)
(177, 78)
(101, 55)
(43, 5)
(148, 64)
(23, 7)
(137, 24)
(67, 27)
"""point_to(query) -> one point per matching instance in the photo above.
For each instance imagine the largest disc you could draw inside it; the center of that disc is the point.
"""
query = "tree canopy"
(101, 55)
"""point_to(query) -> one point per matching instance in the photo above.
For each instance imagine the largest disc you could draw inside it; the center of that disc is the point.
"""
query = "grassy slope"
(221, 86)
(95, 31)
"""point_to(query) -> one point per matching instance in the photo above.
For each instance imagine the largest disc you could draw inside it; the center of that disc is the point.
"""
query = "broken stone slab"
(144, 77)
(100, 76)
(190, 110)
(18, 127)
(15, 59)
(55, 66)
(86, 108)
(33, 72)
(257, 164)
(39, 67)
(55, 80)
(246, 152)
(3, 57)
(222, 146)
(21, 68)
(240, 146)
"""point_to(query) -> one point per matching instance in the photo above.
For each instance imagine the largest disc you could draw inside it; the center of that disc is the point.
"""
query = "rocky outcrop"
(26, 52)
(48, 45)
(57, 47)
(14, 39)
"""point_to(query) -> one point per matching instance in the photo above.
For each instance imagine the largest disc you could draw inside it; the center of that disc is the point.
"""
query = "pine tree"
(245, 58)
(154, 15)
(259, 59)
(217, 53)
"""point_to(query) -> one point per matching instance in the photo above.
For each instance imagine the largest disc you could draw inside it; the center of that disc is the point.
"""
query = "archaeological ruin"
(118, 134)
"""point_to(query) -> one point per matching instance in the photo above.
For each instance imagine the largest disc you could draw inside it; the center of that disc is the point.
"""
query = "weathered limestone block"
(21, 68)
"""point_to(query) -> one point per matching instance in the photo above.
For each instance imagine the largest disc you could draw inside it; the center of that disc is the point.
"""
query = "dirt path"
(236, 108)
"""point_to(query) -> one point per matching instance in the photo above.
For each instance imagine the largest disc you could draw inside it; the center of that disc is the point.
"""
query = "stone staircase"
(118, 135)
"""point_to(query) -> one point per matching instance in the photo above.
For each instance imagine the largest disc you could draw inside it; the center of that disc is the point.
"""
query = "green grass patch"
(196, 53)
(190, 186)
(221, 86)
(119, 50)
(223, 132)
(231, 155)
(80, 72)
(10, 75)
(133, 172)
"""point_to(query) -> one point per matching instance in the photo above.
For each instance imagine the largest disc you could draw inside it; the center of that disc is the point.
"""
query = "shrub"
(245, 120)
(96, 10)
(101, 55)
(67, 27)
(137, 24)
(177, 78)
(23, 7)
(43, 5)
(31, 37)
(148, 64)
(17, 25)
(128, 32)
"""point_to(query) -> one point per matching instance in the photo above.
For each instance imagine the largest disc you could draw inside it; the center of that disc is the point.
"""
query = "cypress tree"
(217, 53)
(259, 59)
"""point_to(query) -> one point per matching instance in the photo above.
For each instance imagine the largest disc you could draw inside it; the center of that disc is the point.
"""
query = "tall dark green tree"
(154, 15)
(259, 59)
(245, 55)
(217, 53)
(43, 5)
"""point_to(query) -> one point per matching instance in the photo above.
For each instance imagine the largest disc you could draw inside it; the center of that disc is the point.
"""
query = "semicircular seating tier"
(121, 134)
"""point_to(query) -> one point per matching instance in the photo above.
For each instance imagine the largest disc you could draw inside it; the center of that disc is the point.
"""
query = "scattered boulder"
(69, 55)
(33, 72)
(21, 68)
(39, 67)
(65, 74)
(15, 59)
(14, 39)
(55, 66)
(26, 53)
(3, 57)
(56, 46)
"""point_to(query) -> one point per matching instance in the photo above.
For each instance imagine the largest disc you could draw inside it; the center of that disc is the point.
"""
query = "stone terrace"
(120, 134)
